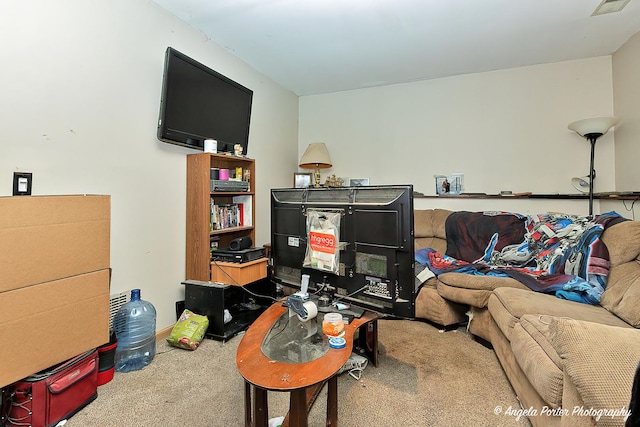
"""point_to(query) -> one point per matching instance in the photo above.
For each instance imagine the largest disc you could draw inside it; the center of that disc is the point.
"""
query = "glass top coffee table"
(280, 353)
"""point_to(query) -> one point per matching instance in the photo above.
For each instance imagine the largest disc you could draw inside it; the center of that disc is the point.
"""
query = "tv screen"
(199, 103)
(375, 269)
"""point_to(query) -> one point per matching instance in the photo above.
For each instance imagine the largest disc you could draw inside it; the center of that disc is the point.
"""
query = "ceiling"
(320, 46)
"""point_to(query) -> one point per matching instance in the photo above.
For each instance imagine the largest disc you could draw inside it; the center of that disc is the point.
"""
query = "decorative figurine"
(237, 149)
(332, 181)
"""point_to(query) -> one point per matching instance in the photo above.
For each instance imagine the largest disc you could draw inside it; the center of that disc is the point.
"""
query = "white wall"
(505, 130)
(81, 90)
(626, 90)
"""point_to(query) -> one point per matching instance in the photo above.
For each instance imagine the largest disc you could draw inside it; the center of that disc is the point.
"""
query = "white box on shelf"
(247, 209)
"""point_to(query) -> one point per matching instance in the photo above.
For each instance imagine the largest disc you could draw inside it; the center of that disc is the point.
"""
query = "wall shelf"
(599, 196)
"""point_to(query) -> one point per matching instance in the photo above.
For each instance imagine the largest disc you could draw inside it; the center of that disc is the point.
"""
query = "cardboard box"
(54, 280)
(45, 238)
(48, 323)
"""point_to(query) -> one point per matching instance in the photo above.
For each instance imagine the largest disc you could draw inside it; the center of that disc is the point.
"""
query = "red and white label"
(322, 242)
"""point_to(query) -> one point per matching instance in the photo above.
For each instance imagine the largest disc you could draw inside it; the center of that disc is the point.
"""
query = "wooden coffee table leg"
(368, 341)
(374, 341)
(298, 408)
(260, 407)
(247, 404)
(332, 401)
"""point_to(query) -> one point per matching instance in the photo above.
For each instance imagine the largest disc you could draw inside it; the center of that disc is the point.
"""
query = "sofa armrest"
(600, 360)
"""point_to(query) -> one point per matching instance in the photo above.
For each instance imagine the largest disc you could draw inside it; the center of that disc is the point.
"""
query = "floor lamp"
(592, 129)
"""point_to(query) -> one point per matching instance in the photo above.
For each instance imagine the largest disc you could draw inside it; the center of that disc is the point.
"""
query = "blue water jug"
(135, 327)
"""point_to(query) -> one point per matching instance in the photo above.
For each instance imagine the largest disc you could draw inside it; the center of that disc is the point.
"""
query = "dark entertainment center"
(212, 299)
(376, 245)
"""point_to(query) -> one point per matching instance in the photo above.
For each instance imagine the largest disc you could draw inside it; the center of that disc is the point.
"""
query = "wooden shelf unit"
(236, 274)
(199, 195)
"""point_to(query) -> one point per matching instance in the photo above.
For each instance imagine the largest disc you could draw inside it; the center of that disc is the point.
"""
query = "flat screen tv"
(199, 103)
(376, 248)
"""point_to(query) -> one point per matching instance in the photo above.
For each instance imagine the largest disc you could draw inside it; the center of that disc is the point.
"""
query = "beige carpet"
(425, 377)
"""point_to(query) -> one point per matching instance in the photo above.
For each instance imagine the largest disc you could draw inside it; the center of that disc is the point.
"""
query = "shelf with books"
(233, 212)
(230, 229)
(225, 216)
(204, 222)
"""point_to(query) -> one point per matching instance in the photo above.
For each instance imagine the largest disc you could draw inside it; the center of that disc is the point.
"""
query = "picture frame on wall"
(301, 180)
(442, 184)
(358, 182)
(449, 185)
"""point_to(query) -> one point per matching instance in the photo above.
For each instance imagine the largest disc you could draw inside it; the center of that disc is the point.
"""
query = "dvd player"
(243, 255)
(229, 185)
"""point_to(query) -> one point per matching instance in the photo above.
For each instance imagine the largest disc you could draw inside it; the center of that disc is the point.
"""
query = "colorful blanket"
(558, 254)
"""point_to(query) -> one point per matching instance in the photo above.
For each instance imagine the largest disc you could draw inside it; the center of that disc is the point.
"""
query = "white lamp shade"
(595, 125)
(316, 157)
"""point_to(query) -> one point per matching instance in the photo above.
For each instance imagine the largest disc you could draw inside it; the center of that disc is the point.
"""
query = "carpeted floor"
(425, 377)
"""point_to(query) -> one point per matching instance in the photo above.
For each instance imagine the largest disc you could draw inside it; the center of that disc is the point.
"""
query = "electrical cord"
(320, 288)
(243, 287)
(170, 349)
(339, 297)
(630, 209)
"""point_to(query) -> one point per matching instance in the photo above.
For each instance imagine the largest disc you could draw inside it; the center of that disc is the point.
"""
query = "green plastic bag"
(189, 330)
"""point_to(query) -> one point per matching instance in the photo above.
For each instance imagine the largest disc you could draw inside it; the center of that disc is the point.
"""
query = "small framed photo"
(301, 180)
(452, 184)
(443, 186)
(358, 182)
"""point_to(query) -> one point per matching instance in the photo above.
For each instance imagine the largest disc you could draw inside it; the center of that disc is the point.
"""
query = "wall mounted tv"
(376, 247)
(199, 103)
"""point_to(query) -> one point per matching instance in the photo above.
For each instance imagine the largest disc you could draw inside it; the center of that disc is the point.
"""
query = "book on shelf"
(234, 214)
(241, 213)
(225, 215)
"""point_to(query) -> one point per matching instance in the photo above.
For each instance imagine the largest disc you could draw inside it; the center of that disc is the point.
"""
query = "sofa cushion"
(622, 294)
(429, 229)
(430, 242)
(473, 290)
(600, 361)
(623, 242)
(537, 357)
(430, 222)
(508, 305)
(431, 306)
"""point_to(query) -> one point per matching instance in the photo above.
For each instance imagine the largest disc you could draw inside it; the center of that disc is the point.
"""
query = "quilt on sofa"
(558, 254)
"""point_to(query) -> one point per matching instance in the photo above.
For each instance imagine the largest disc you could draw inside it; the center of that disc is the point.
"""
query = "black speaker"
(240, 243)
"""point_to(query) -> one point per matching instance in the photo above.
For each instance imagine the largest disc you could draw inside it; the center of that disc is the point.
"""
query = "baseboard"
(163, 334)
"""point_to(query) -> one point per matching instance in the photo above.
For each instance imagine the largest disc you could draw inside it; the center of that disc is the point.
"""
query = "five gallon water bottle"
(135, 326)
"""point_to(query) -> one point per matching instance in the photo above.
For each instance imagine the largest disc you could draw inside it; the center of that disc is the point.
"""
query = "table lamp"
(592, 129)
(316, 157)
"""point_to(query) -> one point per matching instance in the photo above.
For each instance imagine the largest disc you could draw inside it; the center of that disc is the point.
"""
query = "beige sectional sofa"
(570, 364)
